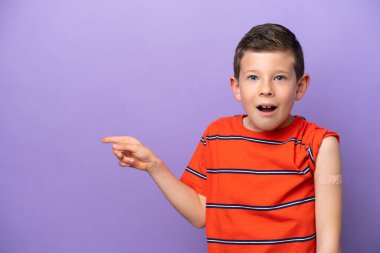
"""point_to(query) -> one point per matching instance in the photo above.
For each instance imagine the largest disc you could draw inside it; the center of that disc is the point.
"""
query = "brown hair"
(270, 37)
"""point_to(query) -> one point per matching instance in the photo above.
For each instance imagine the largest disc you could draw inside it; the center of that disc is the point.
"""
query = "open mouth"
(264, 108)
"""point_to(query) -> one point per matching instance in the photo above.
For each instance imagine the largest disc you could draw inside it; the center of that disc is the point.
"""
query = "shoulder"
(329, 158)
(222, 124)
(321, 144)
(314, 133)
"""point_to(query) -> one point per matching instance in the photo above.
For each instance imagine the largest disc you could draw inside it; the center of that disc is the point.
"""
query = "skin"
(268, 77)
(265, 77)
(328, 197)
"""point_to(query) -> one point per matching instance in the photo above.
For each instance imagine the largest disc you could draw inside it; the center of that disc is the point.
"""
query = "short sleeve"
(313, 148)
(195, 175)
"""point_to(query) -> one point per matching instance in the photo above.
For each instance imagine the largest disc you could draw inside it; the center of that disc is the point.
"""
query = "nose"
(266, 89)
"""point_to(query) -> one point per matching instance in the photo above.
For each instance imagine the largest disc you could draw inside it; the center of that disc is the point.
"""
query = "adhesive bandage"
(329, 179)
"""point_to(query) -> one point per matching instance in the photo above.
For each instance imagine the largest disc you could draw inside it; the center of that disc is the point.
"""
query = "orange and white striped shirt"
(259, 186)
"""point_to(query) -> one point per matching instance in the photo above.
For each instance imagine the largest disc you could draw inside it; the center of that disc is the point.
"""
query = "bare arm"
(132, 153)
(183, 198)
(328, 196)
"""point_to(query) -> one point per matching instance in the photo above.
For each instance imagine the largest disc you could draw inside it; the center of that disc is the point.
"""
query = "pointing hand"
(132, 153)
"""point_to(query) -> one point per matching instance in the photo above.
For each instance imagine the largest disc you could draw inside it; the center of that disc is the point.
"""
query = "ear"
(235, 88)
(302, 86)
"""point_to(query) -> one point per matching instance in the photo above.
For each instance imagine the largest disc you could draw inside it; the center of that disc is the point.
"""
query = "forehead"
(267, 60)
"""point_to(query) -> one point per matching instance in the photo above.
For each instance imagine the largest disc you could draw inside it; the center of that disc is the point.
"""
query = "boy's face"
(268, 78)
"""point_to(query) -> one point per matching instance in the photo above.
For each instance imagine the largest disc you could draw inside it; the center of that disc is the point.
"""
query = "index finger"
(112, 139)
(121, 139)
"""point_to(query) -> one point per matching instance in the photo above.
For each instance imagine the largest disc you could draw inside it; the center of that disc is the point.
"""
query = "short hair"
(270, 37)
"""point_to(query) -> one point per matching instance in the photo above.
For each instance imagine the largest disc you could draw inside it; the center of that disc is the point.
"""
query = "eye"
(280, 78)
(252, 77)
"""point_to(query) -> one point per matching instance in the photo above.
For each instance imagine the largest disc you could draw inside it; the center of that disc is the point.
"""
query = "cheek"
(286, 100)
(247, 91)
(246, 98)
(287, 94)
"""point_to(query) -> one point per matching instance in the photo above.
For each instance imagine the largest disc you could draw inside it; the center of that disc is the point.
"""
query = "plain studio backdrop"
(73, 72)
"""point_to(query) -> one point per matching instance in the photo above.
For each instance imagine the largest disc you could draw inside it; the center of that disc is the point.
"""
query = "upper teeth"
(264, 106)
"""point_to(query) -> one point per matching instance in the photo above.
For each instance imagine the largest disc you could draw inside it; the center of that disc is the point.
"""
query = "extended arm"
(328, 196)
(184, 199)
(132, 153)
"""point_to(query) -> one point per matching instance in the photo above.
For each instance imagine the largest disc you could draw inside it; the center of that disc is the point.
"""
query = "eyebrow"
(277, 70)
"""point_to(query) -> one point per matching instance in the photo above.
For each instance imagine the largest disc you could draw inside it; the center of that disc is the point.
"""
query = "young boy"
(265, 181)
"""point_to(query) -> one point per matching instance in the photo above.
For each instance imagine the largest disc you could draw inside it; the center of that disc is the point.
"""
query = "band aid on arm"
(329, 179)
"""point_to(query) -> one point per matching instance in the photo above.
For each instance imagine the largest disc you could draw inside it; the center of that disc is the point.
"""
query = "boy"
(254, 180)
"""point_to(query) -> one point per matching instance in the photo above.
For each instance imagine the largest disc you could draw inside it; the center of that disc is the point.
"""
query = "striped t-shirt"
(259, 186)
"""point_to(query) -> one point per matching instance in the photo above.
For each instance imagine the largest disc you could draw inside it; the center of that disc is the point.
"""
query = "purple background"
(73, 72)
